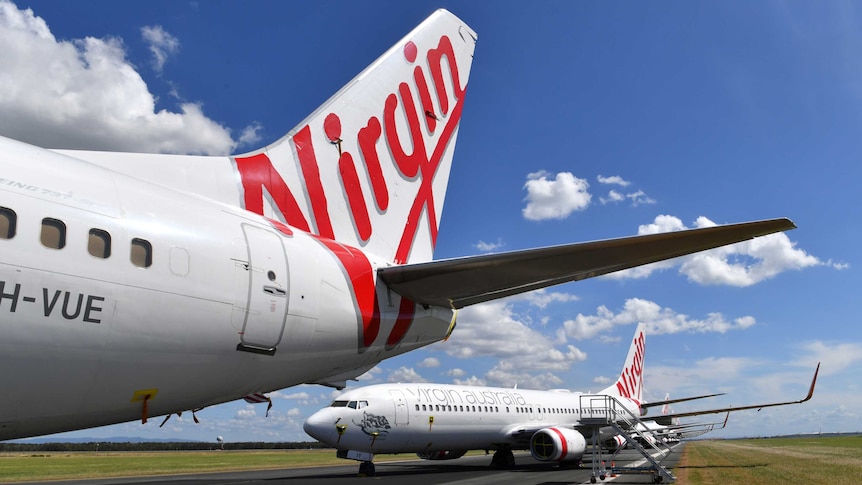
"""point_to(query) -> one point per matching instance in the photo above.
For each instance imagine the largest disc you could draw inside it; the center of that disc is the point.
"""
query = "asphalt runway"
(472, 470)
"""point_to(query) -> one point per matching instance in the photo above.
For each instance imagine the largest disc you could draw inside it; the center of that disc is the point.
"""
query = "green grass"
(776, 461)
(67, 466)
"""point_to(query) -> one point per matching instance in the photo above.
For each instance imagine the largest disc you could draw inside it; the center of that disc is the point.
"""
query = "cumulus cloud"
(405, 374)
(494, 329)
(161, 44)
(487, 247)
(85, 94)
(554, 198)
(742, 264)
(834, 357)
(613, 180)
(636, 198)
(658, 320)
(543, 297)
(429, 362)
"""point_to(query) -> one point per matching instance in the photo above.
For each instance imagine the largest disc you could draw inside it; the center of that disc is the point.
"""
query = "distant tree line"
(157, 446)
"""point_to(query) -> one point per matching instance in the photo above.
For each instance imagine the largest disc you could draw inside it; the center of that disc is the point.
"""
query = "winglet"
(813, 382)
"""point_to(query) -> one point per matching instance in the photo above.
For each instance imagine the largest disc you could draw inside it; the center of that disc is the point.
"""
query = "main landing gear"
(503, 459)
(366, 469)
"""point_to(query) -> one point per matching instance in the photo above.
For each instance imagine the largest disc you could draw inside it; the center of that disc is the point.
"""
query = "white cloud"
(658, 320)
(161, 44)
(429, 362)
(554, 199)
(404, 374)
(247, 412)
(542, 298)
(456, 373)
(834, 357)
(250, 135)
(495, 330)
(614, 179)
(613, 196)
(472, 381)
(741, 264)
(487, 247)
(85, 94)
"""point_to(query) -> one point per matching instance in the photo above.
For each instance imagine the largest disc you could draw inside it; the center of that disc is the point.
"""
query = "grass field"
(66, 466)
(776, 461)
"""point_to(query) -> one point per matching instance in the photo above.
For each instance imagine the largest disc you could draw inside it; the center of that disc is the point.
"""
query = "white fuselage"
(401, 418)
(120, 299)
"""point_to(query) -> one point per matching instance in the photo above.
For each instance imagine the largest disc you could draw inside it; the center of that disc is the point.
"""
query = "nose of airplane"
(321, 426)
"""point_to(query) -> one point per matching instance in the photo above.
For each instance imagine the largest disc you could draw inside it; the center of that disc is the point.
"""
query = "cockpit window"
(362, 404)
(352, 404)
(338, 404)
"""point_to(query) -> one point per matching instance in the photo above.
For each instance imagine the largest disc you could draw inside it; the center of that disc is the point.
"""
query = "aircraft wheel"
(592, 479)
(509, 459)
(371, 469)
(602, 477)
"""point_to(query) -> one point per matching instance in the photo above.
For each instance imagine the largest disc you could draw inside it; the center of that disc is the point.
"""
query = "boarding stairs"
(606, 411)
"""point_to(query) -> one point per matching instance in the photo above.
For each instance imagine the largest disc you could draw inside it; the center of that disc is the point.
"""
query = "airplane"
(443, 421)
(139, 285)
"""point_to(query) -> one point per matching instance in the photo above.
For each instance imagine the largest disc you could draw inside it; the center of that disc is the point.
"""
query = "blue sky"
(583, 121)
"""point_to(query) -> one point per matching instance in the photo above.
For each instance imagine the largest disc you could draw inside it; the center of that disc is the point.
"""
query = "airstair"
(606, 411)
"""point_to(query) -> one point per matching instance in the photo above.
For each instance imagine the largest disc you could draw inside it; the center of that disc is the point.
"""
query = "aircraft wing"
(459, 282)
(666, 419)
(674, 401)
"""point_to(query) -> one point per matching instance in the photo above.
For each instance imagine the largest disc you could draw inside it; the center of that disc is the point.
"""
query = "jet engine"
(615, 442)
(557, 444)
(441, 455)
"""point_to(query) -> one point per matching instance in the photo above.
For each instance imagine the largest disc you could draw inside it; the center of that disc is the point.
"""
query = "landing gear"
(366, 469)
(503, 459)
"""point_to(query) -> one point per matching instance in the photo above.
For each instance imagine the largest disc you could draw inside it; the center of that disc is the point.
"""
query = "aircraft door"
(401, 414)
(268, 285)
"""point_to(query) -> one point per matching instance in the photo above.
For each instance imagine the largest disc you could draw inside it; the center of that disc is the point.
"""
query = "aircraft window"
(338, 404)
(462, 408)
(53, 233)
(8, 218)
(363, 404)
(142, 253)
(423, 408)
(417, 407)
(99, 243)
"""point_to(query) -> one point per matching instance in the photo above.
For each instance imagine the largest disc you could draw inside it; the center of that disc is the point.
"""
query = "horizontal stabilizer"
(459, 282)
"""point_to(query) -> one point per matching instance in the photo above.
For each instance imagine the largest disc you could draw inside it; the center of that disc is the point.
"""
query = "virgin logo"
(419, 165)
(630, 382)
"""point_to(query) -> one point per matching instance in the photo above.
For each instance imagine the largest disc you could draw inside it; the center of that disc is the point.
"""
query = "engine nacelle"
(441, 455)
(615, 442)
(557, 444)
(647, 440)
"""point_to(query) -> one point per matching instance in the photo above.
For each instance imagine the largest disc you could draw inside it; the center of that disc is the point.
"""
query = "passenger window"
(8, 220)
(99, 243)
(142, 253)
(53, 233)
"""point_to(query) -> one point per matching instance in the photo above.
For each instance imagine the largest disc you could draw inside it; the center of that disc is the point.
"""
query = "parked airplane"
(138, 285)
(440, 421)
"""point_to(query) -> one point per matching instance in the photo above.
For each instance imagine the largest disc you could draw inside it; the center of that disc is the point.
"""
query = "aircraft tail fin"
(631, 381)
(369, 168)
